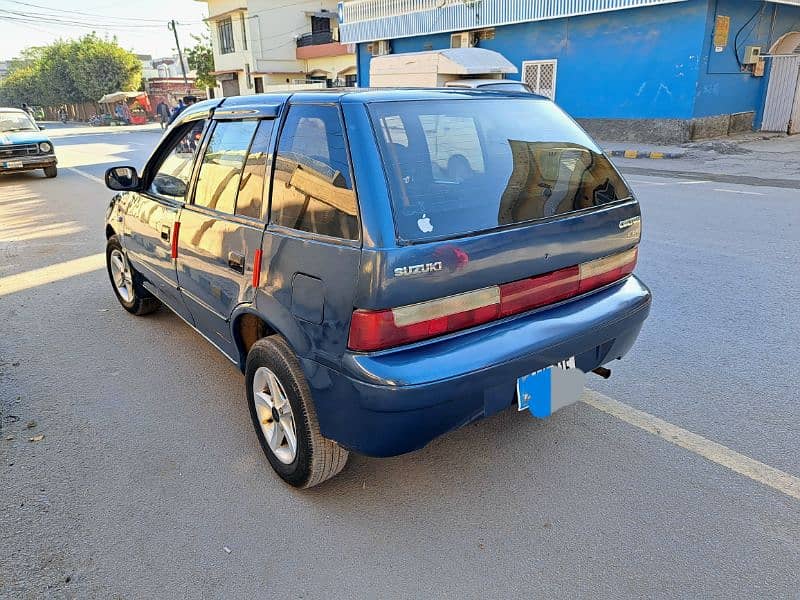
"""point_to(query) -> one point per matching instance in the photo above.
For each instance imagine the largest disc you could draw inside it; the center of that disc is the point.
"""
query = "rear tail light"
(379, 329)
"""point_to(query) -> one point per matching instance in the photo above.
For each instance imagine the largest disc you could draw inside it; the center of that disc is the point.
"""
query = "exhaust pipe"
(603, 372)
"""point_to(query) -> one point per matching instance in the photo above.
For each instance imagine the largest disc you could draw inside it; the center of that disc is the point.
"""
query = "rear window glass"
(456, 167)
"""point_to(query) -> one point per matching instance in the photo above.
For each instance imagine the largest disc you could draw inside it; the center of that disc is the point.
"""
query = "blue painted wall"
(639, 62)
(655, 62)
(722, 88)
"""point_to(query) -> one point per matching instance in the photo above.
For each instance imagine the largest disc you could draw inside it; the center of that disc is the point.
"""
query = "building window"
(350, 80)
(320, 25)
(244, 33)
(540, 75)
(259, 82)
(225, 30)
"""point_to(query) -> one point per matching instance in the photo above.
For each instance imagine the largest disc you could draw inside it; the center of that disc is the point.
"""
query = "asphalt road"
(149, 482)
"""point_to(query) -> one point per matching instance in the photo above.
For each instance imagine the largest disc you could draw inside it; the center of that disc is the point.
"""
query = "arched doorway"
(782, 104)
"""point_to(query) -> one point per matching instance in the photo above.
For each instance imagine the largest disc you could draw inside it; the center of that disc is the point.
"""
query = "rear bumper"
(389, 403)
(28, 163)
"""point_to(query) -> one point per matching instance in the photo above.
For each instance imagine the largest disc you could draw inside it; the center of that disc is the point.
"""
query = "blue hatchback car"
(384, 266)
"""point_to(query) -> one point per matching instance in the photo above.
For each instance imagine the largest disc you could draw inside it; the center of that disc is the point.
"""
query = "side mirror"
(122, 179)
(167, 185)
(41, 127)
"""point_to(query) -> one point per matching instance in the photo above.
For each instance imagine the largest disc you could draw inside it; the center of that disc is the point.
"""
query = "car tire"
(315, 458)
(51, 171)
(126, 282)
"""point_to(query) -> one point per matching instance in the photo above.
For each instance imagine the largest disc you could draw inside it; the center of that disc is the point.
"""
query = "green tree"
(67, 71)
(101, 66)
(201, 59)
(21, 85)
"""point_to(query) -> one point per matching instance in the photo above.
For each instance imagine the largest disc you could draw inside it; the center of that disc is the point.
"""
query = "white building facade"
(263, 45)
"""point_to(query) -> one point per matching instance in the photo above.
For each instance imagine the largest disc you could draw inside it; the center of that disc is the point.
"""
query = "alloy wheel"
(275, 415)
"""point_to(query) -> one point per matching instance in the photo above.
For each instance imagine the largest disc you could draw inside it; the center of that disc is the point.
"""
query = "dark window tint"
(251, 188)
(172, 176)
(460, 166)
(312, 190)
(221, 170)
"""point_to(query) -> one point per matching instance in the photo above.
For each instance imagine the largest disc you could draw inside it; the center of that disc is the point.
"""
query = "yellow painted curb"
(656, 155)
(631, 154)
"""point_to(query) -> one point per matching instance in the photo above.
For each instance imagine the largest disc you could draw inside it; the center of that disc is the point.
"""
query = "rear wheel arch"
(248, 327)
(261, 323)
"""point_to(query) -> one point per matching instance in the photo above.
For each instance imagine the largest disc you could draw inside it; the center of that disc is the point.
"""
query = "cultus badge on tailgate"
(418, 269)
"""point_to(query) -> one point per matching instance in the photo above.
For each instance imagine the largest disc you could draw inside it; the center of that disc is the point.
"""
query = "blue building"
(664, 70)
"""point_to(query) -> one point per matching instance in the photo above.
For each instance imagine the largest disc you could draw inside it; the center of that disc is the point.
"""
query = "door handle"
(165, 233)
(236, 262)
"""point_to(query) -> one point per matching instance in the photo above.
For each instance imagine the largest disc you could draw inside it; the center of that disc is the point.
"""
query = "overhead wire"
(77, 12)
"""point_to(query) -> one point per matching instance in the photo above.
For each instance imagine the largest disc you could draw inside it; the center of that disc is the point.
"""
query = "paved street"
(149, 482)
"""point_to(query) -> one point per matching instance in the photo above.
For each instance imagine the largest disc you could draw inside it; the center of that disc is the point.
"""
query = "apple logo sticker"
(424, 224)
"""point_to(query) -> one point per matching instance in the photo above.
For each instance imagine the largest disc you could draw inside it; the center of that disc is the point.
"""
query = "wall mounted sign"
(722, 30)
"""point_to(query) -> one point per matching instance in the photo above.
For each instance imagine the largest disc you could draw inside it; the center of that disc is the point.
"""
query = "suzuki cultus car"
(383, 266)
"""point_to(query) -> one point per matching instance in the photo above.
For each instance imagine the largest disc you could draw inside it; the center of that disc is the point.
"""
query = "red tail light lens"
(379, 329)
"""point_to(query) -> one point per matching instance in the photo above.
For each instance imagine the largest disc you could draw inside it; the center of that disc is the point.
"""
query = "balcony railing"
(315, 39)
(368, 20)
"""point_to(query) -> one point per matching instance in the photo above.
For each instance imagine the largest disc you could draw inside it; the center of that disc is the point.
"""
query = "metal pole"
(173, 27)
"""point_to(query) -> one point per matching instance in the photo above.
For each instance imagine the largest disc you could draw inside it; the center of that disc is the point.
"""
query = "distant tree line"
(70, 71)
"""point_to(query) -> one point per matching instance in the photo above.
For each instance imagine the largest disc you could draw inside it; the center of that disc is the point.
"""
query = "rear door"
(312, 247)
(152, 214)
(222, 228)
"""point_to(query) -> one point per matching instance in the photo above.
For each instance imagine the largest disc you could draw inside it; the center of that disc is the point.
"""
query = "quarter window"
(172, 177)
(313, 189)
(221, 170)
(225, 30)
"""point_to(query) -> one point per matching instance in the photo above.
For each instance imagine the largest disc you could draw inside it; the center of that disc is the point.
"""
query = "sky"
(139, 25)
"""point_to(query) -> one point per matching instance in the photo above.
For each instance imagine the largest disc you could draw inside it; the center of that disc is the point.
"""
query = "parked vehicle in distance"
(384, 266)
(500, 85)
(23, 146)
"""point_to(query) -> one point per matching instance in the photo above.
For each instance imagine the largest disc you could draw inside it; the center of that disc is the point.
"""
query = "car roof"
(269, 104)
(366, 95)
(10, 109)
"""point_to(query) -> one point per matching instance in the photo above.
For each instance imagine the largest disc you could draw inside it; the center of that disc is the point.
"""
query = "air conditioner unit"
(751, 55)
(465, 39)
(379, 48)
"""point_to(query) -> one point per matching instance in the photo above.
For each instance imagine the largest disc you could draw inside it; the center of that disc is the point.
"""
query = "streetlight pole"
(173, 26)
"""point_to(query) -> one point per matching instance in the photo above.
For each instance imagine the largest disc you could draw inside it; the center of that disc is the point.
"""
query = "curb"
(640, 154)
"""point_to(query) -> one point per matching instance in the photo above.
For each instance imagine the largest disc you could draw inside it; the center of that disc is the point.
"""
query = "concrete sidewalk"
(752, 155)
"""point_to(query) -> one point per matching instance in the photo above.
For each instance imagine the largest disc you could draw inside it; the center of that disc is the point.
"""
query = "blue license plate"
(546, 391)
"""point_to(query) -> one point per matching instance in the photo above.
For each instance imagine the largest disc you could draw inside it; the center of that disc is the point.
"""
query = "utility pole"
(173, 26)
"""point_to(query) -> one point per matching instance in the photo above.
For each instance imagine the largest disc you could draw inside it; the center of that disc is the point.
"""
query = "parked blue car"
(383, 266)
(23, 146)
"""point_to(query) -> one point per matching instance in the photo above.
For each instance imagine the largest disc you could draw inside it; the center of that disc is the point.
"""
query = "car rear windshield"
(460, 166)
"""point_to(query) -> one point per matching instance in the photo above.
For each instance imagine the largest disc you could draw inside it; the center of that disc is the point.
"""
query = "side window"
(312, 189)
(172, 177)
(454, 146)
(221, 169)
(259, 162)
